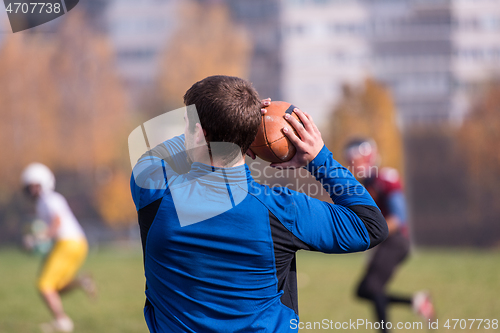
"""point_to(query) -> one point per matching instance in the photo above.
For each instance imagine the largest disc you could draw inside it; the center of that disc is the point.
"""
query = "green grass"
(464, 284)
(118, 308)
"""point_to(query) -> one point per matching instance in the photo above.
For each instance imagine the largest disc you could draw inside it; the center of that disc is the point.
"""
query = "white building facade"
(428, 52)
(324, 47)
(139, 31)
(476, 49)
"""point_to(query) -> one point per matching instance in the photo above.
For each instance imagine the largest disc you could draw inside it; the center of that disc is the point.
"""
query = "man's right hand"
(308, 144)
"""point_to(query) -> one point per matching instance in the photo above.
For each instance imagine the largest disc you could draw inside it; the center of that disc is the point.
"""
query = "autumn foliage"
(478, 140)
(366, 112)
(63, 105)
(480, 134)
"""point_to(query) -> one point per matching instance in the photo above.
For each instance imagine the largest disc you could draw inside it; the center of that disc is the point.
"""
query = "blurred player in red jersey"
(384, 186)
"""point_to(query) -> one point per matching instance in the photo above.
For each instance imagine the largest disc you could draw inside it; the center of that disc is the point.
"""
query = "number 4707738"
(471, 324)
(34, 7)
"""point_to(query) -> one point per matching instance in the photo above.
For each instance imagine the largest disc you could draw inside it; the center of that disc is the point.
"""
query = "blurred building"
(324, 47)
(261, 19)
(139, 30)
(96, 11)
(429, 52)
(475, 48)
(411, 52)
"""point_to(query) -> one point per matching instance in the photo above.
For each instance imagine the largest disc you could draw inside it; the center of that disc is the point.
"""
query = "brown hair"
(228, 109)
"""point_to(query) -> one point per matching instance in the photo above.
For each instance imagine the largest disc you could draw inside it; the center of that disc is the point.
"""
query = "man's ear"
(200, 135)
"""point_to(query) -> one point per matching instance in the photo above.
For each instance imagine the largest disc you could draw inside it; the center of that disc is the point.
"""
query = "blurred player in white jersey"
(58, 274)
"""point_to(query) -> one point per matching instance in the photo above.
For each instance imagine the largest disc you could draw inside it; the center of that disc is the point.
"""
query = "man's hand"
(392, 224)
(308, 144)
(264, 103)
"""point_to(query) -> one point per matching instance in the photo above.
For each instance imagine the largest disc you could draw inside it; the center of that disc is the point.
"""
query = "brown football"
(271, 144)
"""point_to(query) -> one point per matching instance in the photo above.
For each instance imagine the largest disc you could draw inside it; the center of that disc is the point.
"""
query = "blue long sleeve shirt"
(219, 248)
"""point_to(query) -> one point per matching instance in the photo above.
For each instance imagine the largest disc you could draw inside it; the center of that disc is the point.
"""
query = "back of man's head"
(228, 111)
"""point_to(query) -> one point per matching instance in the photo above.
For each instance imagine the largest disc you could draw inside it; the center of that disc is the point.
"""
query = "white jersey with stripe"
(51, 205)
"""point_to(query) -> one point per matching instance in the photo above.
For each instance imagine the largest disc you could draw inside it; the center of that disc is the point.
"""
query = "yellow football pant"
(62, 264)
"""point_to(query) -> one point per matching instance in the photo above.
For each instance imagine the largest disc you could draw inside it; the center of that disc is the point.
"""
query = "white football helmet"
(38, 173)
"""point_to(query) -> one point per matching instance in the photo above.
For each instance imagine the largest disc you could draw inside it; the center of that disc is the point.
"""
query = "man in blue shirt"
(219, 248)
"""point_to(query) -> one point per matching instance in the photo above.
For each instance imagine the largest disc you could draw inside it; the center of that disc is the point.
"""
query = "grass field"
(464, 284)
